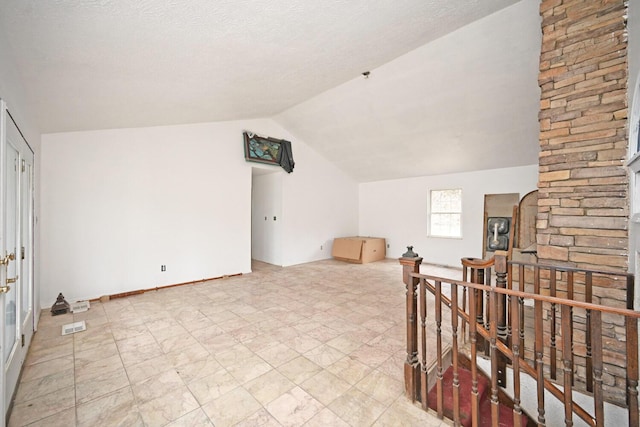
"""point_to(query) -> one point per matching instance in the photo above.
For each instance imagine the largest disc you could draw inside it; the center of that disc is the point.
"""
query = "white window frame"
(430, 232)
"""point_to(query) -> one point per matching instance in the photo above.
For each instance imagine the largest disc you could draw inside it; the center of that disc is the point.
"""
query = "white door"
(16, 277)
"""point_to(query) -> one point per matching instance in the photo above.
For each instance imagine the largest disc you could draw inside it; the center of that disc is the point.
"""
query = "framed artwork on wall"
(264, 149)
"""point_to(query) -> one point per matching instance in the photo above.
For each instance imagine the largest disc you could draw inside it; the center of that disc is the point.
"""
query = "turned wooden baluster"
(588, 297)
(478, 277)
(480, 272)
(493, 334)
(521, 308)
(464, 302)
(567, 363)
(553, 348)
(598, 397)
(570, 320)
(473, 326)
(501, 315)
(515, 347)
(424, 383)
(487, 317)
(539, 346)
(411, 264)
(439, 365)
(454, 353)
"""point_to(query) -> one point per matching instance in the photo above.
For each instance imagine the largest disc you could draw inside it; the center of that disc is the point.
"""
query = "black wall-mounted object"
(498, 233)
(268, 150)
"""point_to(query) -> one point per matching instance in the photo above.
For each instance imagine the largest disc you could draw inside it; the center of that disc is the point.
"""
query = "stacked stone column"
(583, 200)
(583, 203)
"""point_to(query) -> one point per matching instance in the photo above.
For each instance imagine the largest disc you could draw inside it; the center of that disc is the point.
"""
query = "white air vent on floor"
(79, 306)
(72, 328)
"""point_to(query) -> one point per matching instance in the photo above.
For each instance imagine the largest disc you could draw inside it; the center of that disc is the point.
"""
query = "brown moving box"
(359, 249)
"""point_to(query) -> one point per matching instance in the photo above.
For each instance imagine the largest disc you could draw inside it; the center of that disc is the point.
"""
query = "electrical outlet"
(163, 267)
(321, 248)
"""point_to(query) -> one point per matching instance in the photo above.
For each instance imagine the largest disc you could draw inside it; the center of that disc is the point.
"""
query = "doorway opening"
(266, 216)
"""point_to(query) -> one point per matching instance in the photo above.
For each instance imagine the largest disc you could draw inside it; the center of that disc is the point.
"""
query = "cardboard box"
(359, 249)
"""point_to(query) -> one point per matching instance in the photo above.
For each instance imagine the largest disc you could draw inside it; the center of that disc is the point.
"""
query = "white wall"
(119, 203)
(319, 205)
(14, 93)
(397, 210)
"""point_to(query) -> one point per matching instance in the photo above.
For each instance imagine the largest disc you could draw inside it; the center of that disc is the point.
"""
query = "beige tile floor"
(319, 344)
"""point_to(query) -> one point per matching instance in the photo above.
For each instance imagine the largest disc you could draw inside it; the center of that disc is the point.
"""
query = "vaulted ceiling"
(452, 84)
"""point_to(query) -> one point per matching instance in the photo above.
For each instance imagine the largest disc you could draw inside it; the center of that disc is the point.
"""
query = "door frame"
(3, 271)
(25, 229)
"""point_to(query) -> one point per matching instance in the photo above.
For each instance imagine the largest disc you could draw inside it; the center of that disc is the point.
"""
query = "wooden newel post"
(501, 282)
(411, 264)
(479, 270)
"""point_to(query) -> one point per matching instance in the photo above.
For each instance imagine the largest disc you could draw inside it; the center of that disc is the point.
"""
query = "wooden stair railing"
(512, 349)
(478, 271)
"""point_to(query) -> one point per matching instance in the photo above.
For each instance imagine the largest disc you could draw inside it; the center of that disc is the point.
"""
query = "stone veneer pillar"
(583, 205)
(583, 198)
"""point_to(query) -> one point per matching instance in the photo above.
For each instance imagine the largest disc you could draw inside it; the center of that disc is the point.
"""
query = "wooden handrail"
(537, 297)
(477, 262)
(569, 268)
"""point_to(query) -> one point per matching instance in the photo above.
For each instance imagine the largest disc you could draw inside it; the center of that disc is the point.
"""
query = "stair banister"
(411, 264)
(513, 348)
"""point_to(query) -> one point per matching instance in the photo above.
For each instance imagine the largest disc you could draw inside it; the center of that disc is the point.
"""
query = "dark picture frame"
(262, 149)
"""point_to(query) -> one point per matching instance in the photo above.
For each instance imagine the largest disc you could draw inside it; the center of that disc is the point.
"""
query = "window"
(445, 213)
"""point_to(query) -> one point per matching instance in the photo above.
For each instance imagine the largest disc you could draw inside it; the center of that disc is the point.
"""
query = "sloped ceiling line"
(89, 65)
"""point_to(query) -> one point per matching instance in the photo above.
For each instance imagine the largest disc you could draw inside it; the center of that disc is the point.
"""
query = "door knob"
(7, 258)
(13, 280)
(5, 289)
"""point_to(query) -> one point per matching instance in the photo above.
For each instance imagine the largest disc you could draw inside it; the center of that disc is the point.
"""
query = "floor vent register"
(72, 328)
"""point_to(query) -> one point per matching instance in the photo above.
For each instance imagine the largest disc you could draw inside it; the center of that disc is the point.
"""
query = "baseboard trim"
(157, 288)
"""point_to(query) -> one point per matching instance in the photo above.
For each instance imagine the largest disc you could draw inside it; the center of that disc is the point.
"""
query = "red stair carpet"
(484, 394)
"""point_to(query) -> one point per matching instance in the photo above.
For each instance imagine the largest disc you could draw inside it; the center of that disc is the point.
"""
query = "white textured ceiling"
(97, 64)
(467, 101)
